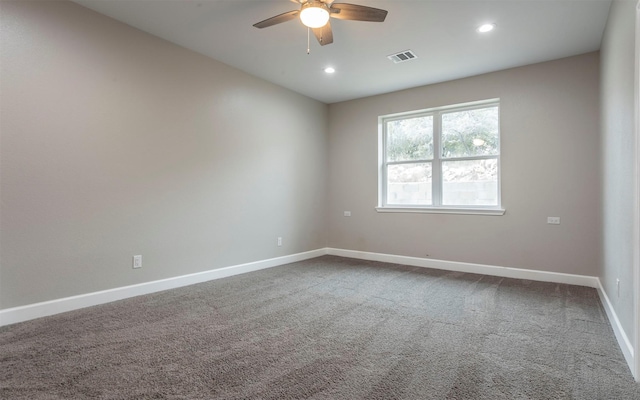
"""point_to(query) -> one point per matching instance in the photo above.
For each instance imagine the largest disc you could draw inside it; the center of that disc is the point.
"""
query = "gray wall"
(550, 167)
(116, 143)
(618, 159)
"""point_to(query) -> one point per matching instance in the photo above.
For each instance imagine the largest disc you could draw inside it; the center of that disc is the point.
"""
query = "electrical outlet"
(553, 220)
(347, 213)
(137, 261)
(279, 241)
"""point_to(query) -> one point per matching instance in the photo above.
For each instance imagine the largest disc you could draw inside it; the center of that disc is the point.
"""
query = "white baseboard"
(37, 310)
(505, 272)
(43, 309)
(621, 336)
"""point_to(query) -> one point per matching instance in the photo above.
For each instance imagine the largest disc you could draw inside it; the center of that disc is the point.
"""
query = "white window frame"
(436, 162)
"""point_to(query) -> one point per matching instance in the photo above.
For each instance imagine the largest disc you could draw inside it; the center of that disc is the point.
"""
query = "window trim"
(436, 162)
(442, 210)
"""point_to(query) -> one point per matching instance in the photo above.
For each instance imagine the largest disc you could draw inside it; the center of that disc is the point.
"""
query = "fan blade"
(355, 12)
(324, 34)
(278, 19)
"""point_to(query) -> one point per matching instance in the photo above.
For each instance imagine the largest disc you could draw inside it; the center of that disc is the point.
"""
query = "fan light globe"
(314, 16)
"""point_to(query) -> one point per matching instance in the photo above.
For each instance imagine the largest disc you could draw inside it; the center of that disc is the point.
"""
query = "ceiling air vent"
(403, 56)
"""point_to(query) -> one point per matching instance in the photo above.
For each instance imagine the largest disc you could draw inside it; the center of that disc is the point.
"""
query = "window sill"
(442, 210)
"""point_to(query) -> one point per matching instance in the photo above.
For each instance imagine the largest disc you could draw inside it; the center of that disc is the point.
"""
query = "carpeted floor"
(327, 328)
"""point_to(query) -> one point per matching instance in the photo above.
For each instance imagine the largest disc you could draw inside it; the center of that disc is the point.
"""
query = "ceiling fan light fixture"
(314, 15)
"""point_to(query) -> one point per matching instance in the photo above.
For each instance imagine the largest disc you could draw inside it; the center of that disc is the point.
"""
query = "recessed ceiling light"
(329, 70)
(486, 28)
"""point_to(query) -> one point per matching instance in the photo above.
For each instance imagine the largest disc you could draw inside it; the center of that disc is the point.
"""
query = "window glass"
(409, 184)
(410, 139)
(470, 133)
(470, 182)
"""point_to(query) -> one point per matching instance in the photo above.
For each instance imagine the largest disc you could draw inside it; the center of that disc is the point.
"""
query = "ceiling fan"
(315, 14)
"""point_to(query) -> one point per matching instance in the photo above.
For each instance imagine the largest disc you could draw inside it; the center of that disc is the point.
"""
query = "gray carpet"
(327, 328)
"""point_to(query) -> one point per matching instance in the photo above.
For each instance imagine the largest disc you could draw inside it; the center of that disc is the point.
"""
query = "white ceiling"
(442, 33)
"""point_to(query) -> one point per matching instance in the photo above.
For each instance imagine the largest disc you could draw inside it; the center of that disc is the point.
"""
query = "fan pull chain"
(308, 43)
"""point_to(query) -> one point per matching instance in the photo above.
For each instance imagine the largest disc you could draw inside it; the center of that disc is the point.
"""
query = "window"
(444, 159)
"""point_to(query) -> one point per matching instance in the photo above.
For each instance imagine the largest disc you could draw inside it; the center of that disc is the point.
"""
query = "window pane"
(470, 183)
(470, 133)
(410, 139)
(409, 184)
